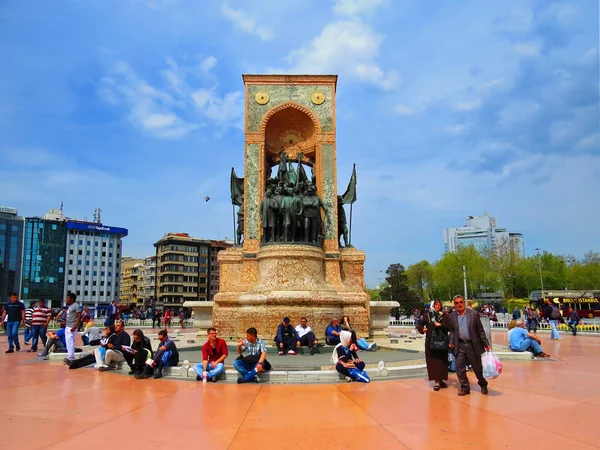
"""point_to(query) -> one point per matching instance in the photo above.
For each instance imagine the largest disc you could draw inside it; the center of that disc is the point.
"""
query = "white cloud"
(468, 106)
(403, 110)
(591, 52)
(349, 48)
(525, 49)
(590, 142)
(245, 23)
(176, 110)
(228, 109)
(357, 7)
(208, 63)
(456, 129)
(159, 120)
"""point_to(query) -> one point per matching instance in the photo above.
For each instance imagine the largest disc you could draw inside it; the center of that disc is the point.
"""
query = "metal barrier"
(584, 326)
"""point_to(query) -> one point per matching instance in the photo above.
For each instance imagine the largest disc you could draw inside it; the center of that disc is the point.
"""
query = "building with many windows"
(483, 233)
(44, 251)
(149, 281)
(93, 257)
(11, 251)
(131, 280)
(186, 269)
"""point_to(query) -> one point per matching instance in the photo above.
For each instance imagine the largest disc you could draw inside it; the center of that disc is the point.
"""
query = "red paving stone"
(532, 405)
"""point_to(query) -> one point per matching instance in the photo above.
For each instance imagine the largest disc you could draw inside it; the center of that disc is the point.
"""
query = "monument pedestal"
(202, 315)
(380, 317)
(288, 280)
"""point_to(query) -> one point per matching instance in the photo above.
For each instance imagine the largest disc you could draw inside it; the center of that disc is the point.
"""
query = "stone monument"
(291, 262)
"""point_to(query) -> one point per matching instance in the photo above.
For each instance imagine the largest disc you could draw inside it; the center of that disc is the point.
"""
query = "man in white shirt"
(306, 336)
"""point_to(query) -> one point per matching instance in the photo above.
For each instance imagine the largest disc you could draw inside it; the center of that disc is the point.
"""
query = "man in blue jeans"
(573, 321)
(256, 360)
(552, 315)
(39, 324)
(522, 341)
(15, 314)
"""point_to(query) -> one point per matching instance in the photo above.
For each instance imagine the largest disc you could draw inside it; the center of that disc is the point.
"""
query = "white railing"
(591, 326)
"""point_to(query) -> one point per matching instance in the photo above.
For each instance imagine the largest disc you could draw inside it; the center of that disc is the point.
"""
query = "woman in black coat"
(435, 320)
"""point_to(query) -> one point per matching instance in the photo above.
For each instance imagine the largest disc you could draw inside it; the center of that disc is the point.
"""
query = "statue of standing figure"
(282, 172)
(287, 214)
(311, 211)
(342, 224)
(240, 225)
(268, 216)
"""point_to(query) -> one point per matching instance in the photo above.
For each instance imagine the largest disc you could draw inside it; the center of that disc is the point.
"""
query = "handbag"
(438, 341)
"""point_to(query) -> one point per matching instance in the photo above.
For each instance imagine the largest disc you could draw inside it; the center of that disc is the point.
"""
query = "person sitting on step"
(139, 352)
(114, 351)
(214, 353)
(256, 361)
(286, 338)
(306, 337)
(346, 360)
(360, 342)
(167, 355)
(332, 332)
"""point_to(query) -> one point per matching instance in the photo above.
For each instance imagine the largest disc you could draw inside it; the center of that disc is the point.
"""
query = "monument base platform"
(260, 289)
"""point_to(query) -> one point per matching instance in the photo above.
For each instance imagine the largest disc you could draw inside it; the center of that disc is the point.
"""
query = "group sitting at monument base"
(116, 348)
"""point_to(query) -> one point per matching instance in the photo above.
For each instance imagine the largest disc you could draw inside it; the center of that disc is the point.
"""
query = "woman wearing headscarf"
(346, 360)
(435, 321)
(360, 342)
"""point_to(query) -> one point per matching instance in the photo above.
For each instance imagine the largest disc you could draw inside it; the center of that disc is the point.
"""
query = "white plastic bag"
(492, 367)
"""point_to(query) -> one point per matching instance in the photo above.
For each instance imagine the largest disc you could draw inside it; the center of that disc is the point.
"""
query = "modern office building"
(187, 269)
(44, 251)
(131, 269)
(93, 257)
(11, 251)
(483, 233)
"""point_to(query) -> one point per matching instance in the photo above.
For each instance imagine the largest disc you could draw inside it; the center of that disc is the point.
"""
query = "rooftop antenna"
(97, 217)
(61, 206)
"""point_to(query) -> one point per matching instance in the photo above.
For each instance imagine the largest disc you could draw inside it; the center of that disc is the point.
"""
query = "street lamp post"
(540, 268)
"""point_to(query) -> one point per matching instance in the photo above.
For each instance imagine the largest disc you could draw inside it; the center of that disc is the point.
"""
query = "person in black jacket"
(114, 351)
(166, 355)
(435, 321)
(141, 350)
(287, 338)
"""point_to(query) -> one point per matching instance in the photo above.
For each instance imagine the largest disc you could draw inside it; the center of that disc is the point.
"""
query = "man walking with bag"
(468, 342)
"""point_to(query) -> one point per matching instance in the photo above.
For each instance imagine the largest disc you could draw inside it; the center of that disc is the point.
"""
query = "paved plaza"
(537, 404)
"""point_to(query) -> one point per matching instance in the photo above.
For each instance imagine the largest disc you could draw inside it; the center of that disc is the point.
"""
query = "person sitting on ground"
(114, 352)
(332, 332)
(346, 360)
(287, 338)
(522, 341)
(139, 352)
(306, 337)
(56, 341)
(91, 335)
(100, 352)
(166, 355)
(256, 361)
(511, 326)
(360, 342)
(214, 353)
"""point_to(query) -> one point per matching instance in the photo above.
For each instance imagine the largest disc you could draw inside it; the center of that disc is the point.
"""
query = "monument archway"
(290, 120)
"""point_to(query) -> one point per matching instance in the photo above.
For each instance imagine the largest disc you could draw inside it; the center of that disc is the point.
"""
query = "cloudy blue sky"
(448, 108)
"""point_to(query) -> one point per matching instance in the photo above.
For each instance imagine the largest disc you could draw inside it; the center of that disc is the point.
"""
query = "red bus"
(586, 303)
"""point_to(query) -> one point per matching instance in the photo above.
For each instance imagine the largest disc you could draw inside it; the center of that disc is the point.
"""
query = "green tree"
(397, 289)
(585, 274)
(420, 279)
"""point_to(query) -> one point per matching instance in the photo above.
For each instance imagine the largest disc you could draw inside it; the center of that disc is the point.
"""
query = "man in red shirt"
(214, 352)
